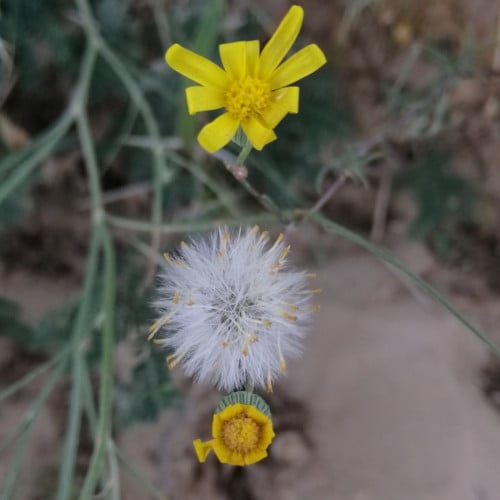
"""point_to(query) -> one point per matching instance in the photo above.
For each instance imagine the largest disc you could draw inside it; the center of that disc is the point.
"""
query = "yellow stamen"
(225, 239)
(315, 308)
(167, 257)
(264, 235)
(247, 98)
(289, 316)
(241, 433)
(279, 239)
(315, 291)
(253, 339)
(191, 300)
(267, 323)
(173, 360)
(181, 263)
(284, 252)
(244, 351)
(255, 229)
(283, 366)
(175, 300)
(269, 382)
(155, 327)
(184, 245)
(311, 275)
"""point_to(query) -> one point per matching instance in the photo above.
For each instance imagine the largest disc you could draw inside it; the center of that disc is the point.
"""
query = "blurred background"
(397, 139)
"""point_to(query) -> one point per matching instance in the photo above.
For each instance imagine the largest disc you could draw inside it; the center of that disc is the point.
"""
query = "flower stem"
(249, 386)
(29, 420)
(66, 472)
(106, 384)
(386, 256)
(245, 151)
(146, 226)
(328, 194)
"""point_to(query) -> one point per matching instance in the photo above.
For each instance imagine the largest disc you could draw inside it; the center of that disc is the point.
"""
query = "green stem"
(66, 471)
(30, 418)
(33, 375)
(140, 477)
(106, 383)
(265, 201)
(245, 151)
(16, 158)
(142, 226)
(161, 173)
(114, 471)
(160, 17)
(104, 420)
(89, 406)
(201, 174)
(249, 386)
(103, 426)
(28, 165)
(383, 254)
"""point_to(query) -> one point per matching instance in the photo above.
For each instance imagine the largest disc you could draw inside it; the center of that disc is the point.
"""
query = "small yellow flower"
(252, 86)
(241, 435)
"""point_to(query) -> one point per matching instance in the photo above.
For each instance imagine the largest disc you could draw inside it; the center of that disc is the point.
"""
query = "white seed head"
(231, 309)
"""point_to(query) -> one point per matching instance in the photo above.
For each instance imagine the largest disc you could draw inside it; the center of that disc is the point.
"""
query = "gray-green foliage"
(92, 80)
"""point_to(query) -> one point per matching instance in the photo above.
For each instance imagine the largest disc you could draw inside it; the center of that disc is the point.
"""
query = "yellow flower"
(252, 86)
(241, 435)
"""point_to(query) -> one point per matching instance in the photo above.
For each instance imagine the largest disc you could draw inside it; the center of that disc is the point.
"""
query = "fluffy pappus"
(232, 309)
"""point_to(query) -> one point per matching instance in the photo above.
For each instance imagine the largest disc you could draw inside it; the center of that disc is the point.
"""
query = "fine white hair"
(232, 309)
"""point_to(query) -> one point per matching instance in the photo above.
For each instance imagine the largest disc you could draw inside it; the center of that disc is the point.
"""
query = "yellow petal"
(257, 415)
(252, 50)
(202, 449)
(217, 424)
(195, 67)
(226, 456)
(257, 133)
(218, 133)
(284, 101)
(240, 58)
(281, 41)
(254, 456)
(232, 410)
(203, 99)
(267, 436)
(236, 458)
(301, 64)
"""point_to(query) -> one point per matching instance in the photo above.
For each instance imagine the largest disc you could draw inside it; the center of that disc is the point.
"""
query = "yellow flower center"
(241, 433)
(247, 97)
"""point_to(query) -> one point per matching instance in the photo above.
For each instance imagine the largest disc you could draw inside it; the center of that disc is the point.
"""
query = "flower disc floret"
(247, 98)
(252, 85)
(241, 433)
